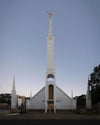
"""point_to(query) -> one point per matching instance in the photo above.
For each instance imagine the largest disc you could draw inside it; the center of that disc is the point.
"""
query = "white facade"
(37, 101)
(63, 101)
(19, 101)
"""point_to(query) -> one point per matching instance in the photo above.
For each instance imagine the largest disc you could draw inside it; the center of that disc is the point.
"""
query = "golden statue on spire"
(50, 15)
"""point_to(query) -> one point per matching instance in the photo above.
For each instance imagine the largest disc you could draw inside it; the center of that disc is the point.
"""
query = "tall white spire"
(50, 46)
(13, 83)
(50, 71)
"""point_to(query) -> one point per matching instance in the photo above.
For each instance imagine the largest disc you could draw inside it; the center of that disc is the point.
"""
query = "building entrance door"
(51, 106)
(51, 101)
(50, 92)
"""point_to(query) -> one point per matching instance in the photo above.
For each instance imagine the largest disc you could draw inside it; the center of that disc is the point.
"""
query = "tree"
(95, 84)
(5, 98)
(81, 101)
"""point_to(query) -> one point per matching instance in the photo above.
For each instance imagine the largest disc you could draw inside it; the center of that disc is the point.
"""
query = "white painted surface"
(37, 101)
(19, 101)
(63, 101)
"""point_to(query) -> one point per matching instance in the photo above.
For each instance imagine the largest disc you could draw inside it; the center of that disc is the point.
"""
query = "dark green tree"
(81, 101)
(95, 86)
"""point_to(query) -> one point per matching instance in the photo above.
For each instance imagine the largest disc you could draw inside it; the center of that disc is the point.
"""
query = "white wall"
(63, 101)
(37, 101)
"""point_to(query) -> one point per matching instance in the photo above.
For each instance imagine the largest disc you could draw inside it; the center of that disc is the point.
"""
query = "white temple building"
(51, 96)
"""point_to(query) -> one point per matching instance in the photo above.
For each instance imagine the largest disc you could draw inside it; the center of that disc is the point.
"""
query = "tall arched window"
(50, 92)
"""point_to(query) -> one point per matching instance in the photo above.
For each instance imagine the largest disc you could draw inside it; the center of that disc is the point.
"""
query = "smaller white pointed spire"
(13, 96)
(72, 94)
(30, 94)
(13, 83)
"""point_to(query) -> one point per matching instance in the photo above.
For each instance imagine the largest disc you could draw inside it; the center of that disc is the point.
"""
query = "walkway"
(4, 115)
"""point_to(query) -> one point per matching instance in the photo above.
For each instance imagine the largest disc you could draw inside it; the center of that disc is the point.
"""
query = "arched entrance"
(50, 92)
(51, 101)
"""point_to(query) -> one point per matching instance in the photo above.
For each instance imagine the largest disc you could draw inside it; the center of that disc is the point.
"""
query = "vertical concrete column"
(46, 96)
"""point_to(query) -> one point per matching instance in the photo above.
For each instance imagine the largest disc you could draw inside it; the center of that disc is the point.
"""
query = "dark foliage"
(81, 102)
(5, 98)
(95, 80)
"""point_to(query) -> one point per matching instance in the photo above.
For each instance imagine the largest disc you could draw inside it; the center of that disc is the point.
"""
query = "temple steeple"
(50, 88)
(50, 46)
(51, 97)
(50, 25)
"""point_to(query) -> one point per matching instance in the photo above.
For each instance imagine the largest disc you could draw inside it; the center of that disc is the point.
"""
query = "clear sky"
(24, 26)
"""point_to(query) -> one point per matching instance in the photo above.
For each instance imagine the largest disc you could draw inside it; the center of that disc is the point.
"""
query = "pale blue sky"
(24, 26)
